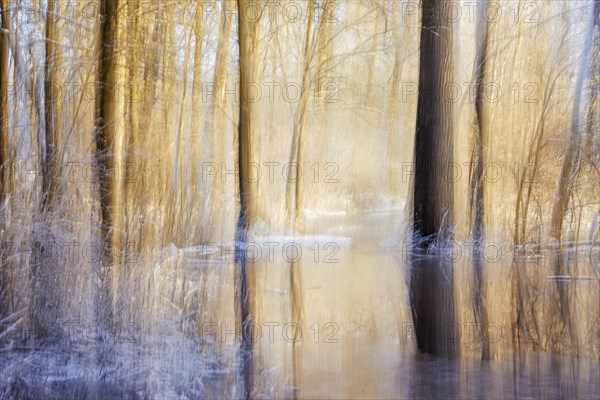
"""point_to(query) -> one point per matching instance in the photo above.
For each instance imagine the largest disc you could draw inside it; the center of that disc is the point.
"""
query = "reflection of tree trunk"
(5, 162)
(432, 305)
(431, 280)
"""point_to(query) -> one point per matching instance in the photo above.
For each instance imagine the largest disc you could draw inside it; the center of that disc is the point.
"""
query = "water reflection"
(336, 322)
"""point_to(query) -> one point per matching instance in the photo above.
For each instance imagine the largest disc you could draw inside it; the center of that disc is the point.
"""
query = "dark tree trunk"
(433, 191)
(432, 298)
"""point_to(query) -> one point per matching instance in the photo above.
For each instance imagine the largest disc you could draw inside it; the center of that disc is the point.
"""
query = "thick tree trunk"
(433, 195)
(431, 284)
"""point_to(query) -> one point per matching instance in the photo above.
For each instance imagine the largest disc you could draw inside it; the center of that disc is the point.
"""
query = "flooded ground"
(330, 317)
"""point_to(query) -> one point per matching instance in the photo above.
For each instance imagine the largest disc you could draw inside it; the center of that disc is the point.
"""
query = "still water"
(330, 318)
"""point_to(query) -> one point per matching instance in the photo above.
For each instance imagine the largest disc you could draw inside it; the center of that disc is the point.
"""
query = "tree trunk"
(293, 190)
(5, 161)
(218, 116)
(248, 153)
(433, 195)
(109, 154)
(44, 303)
(477, 179)
(431, 280)
(248, 123)
(54, 81)
(196, 134)
(179, 176)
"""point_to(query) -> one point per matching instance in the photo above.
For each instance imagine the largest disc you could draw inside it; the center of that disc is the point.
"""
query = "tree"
(196, 133)
(433, 194)
(248, 27)
(431, 279)
(568, 172)
(293, 189)
(44, 304)
(566, 178)
(54, 79)
(5, 159)
(248, 34)
(110, 143)
(477, 192)
(217, 112)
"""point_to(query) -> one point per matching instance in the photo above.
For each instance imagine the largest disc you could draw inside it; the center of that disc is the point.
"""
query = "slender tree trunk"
(54, 81)
(294, 186)
(148, 100)
(165, 140)
(44, 304)
(372, 68)
(248, 123)
(178, 171)
(109, 155)
(248, 153)
(5, 162)
(477, 179)
(196, 134)
(324, 52)
(218, 116)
